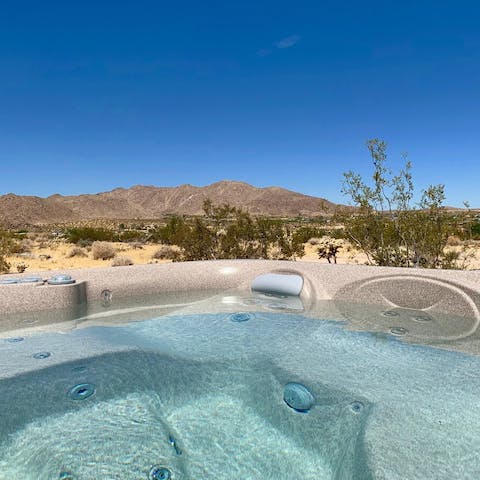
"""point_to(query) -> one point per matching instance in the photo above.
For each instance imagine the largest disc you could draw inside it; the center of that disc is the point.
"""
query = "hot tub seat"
(194, 417)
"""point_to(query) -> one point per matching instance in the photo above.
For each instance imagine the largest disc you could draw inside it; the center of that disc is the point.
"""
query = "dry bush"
(166, 252)
(275, 253)
(315, 241)
(122, 262)
(103, 251)
(27, 245)
(84, 243)
(454, 241)
(76, 252)
(42, 244)
(23, 246)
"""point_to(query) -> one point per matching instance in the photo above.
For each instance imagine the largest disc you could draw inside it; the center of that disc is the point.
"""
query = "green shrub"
(172, 233)
(88, 235)
(305, 233)
(476, 230)
(6, 247)
(228, 233)
(21, 267)
(131, 236)
(385, 225)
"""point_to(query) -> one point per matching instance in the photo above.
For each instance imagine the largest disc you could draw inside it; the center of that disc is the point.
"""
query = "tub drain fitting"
(158, 472)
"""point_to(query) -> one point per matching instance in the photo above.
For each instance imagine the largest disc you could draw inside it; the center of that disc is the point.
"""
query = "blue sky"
(100, 94)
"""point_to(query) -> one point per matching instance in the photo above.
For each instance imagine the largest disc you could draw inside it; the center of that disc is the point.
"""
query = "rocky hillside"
(152, 202)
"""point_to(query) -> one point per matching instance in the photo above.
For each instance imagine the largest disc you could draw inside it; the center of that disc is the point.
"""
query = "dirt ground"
(55, 256)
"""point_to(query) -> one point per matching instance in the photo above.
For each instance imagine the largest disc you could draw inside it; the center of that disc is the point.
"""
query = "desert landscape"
(57, 255)
(134, 226)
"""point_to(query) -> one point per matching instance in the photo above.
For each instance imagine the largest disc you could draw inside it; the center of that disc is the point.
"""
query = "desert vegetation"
(227, 232)
(390, 228)
(388, 223)
(103, 250)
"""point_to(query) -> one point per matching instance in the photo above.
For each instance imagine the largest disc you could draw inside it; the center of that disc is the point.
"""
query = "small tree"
(172, 233)
(6, 246)
(468, 219)
(328, 248)
(385, 225)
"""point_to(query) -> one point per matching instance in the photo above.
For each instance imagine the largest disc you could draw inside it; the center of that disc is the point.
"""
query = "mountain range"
(148, 202)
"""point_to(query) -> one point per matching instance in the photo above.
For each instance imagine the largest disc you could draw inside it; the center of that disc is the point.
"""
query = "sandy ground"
(55, 256)
(347, 254)
(38, 260)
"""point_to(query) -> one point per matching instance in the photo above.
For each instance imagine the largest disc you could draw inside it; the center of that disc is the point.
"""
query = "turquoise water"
(202, 396)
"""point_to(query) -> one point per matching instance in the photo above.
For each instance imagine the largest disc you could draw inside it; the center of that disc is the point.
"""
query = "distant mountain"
(146, 202)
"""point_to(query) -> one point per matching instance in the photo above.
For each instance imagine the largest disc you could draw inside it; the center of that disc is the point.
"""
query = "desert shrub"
(88, 235)
(131, 236)
(328, 248)
(172, 233)
(27, 245)
(103, 251)
(385, 225)
(6, 246)
(476, 230)
(42, 243)
(454, 241)
(22, 246)
(76, 252)
(21, 267)
(166, 252)
(305, 233)
(15, 246)
(199, 242)
(122, 262)
(4, 265)
(338, 233)
(227, 233)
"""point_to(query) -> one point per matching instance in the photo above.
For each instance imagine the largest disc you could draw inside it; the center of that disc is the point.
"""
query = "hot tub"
(182, 371)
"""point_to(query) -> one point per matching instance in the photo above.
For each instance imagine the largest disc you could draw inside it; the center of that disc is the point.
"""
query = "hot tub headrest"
(278, 284)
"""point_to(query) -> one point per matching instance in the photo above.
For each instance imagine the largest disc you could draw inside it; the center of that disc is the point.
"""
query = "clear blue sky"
(100, 94)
